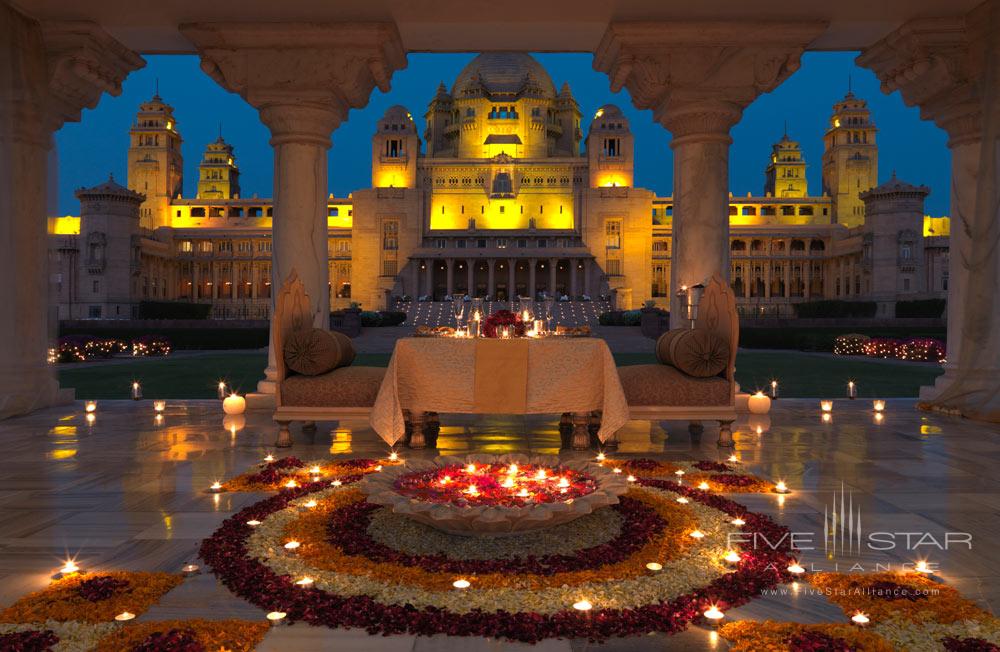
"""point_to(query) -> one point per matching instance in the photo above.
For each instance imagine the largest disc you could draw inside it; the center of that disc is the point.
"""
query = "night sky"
(91, 149)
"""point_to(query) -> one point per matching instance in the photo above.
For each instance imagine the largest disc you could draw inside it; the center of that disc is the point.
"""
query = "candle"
(758, 403)
(393, 456)
(461, 584)
(733, 459)
(336, 483)
(540, 476)
(292, 545)
(600, 457)
(253, 523)
(860, 619)
(216, 487)
(703, 486)
(190, 569)
(563, 482)
(291, 484)
(683, 501)
(583, 605)
(738, 521)
(826, 405)
(679, 472)
(136, 390)
(697, 534)
(90, 407)
(523, 493)
(923, 567)
(774, 390)
(852, 390)
(125, 615)
(472, 491)
(222, 390)
(508, 483)
(159, 405)
(269, 458)
(69, 568)
(732, 557)
(234, 404)
(795, 568)
(878, 405)
(780, 487)
(276, 617)
(309, 504)
(315, 470)
(305, 581)
(654, 566)
(512, 469)
(713, 615)
(616, 470)
(630, 478)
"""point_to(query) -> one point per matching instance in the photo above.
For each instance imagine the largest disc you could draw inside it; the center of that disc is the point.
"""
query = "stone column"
(767, 278)
(697, 77)
(429, 276)
(491, 279)
(532, 265)
(303, 79)
(573, 263)
(788, 279)
(950, 68)
(553, 265)
(195, 280)
(215, 281)
(50, 72)
(806, 278)
(470, 286)
(451, 275)
(587, 266)
(511, 278)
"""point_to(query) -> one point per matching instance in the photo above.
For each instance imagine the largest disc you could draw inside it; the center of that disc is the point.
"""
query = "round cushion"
(697, 352)
(314, 351)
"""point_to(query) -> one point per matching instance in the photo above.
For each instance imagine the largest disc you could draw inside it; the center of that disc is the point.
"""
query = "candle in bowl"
(234, 404)
(759, 403)
(276, 618)
(159, 406)
(732, 558)
(190, 569)
(125, 615)
(781, 488)
(878, 405)
(90, 407)
(860, 619)
(826, 406)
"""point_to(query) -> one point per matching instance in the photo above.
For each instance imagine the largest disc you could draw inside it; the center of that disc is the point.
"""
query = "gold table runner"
(501, 376)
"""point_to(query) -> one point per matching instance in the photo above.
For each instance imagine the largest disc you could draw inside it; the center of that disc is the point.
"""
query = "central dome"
(503, 74)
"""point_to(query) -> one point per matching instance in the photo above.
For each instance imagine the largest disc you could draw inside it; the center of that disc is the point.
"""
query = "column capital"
(302, 77)
(697, 77)
(938, 65)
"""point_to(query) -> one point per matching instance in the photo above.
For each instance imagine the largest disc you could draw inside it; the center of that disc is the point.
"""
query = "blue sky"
(97, 145)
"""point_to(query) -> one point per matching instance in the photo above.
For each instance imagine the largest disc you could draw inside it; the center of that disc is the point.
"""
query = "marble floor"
(128, 492)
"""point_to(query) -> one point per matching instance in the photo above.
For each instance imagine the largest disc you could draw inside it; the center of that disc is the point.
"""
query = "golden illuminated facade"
(504, 195)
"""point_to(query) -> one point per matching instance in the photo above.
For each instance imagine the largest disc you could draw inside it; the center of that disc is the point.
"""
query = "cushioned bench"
(342, 393)
(660, 391)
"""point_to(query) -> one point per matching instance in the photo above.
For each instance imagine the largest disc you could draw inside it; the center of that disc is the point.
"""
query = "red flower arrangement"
(35, 640)
(495, 484)
(817, 641)
(955, 644)
(227, 554)
(175, 640)
(500, 318)
(101, 588)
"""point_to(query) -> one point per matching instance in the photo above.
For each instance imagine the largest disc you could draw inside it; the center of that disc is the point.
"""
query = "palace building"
(507, 192)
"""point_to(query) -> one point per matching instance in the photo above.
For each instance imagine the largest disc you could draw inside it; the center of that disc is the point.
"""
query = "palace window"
(749, 210)
(390, 235)
(393, 148)
(205, 246)
(264, 246)
(613, 234)
(198, 212)
(612, 147)
(185, 246)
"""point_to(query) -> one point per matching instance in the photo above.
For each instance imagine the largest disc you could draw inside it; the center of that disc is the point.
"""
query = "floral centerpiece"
(500, 318)
(491, 495)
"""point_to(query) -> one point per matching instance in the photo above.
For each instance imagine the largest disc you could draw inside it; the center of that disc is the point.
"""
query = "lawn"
(802, 375)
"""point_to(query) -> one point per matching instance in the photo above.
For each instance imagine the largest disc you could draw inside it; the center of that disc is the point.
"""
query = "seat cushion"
(697, 352)
(314, 351)
(343, 387)
(660, 384)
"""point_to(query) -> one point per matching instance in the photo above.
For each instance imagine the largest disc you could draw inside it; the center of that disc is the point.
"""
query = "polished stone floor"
(127, 492)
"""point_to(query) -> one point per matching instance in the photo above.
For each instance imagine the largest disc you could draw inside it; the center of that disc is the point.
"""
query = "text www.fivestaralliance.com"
(874, 591)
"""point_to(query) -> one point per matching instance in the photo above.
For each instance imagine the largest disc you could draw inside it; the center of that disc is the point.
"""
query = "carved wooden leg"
(695, 428)
(581, 434)
(418, 419)
(433, 428)
(284, 435)
(725, 434)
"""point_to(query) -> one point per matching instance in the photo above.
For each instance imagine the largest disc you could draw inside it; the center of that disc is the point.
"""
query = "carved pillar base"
(418, 419)
(581, 433)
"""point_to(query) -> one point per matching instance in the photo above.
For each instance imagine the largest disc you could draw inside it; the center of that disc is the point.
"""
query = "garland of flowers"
(53, 636)
(185, 636)
(750, 636)
(29, 640)
(273, 475)
(721, 478)
(248, 560)
(91, 598)
(495, 321)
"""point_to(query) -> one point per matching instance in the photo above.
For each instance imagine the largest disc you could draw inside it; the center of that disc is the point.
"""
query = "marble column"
(429, 277)
(450, 276)
(573, 264)
(532, 266)
(553, 267)
(950, 68)
(697, 77)
(588, 264)
(806, 278)
(303, 79)
(470, 285)
(491, 279)
(50, 72)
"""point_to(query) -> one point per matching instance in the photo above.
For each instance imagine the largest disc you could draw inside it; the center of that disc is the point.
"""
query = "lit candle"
(69, 568)
(826, 406)
(852, 390)
(683, 501)
(780, 487)
(276, 618)
(733, 459)
(310, 504)
(472, 491)
(703, 486)
(878, 405)
(508, 483)
(234, 404)
(291, 484)
(583, 605)
(923, 567)
(523, 493)
(795, 568)
(125, 615)
(563, 482)
(697, 534)
(90, 407)
(292, 545)
(315, 470)
(305, 581)
(216, 487)
(540, 476)
(393, 456)
(222, 390)
(860, 619)
(759, 403)
(616, 470)
(190, 569)
(738, 522)
(136, 390)
(654, 566)
(253, 523)
(600, 457)
(159, 406)
(713, 615)
(732, 558)
(471, 468)
(461, 584)
(336, 483)
(774, 390)
(269, 458)
(679, 473)
(512, 469)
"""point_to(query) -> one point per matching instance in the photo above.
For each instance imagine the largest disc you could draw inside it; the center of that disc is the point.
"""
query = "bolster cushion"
(314, 351)
(697, 352)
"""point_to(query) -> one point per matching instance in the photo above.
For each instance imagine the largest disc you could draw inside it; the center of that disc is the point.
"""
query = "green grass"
(800, 374)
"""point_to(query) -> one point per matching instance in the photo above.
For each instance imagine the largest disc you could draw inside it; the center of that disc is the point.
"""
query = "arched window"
(738, 245)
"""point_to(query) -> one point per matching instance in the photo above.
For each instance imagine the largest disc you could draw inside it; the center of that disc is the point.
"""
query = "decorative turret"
(786, 171)
(438, 117)
(218, 176)
(850, 159)
(395, 148)
(610, 147)
(155, 164)
(568, 116)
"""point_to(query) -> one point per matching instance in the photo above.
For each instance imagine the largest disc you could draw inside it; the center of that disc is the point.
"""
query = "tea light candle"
(216, 487)
(758, 403)
(253, 523)
(125, 615)
(616, 470)
(923, 567)
(315, 470)
(860, 619)
(630, 478)
(336, 483)
(738, 522)
(292, 545)
(697, 534)
(523, 493)
(713, 615)
(471, 468)
(795, 568)
(461, 584)
(190, 569)
(234, 404)
(90, 407)
(276, 618)
(780, 487)
(393, 456)
(703, 486)
(222, 390)
(269, 458)
(732, 558)
(679, 473)
(305, 582)
(508, 483)
(563, 482)
(512, 469)
(69, 568)
(852, 390)
(583, 605)
(826, 406)
(682, 500)
(654, 566)
(309, 504)
(136, 390)
(601, 457)
(878, 405)
(291, 484)
(733, 459)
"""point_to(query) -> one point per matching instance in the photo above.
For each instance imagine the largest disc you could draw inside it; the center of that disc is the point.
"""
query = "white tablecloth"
(438, 375)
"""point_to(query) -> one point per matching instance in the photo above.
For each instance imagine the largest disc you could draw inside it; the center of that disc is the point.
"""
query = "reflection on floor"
(127, 491)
